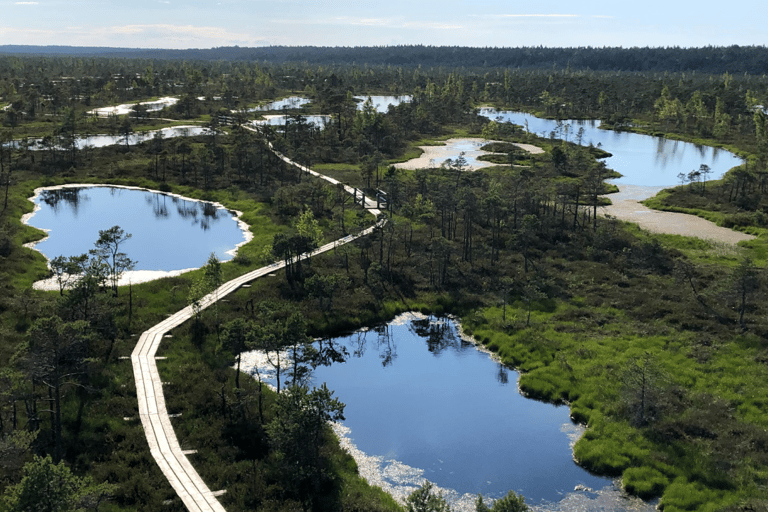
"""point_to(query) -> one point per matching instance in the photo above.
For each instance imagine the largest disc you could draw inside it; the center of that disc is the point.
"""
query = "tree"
(324, 288)
(14, 452)
(510, 503)
(423, 500)
(126, 129)
(527, 237)
(49, 487)
(108, 250)
(64, 270)
(156, 147)
(643, 381)
(745, 281)
(297, 434)
(303, 352)
(208, 282)
(307, 226)
(704, 172)
(57, 353)
(595, 185)
(237, 337)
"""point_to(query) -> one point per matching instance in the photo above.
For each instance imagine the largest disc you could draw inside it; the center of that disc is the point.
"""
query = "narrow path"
(163, 443)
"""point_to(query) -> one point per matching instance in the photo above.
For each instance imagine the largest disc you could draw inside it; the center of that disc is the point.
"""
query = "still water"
(422, 402)
(382, 103)
(120, 110)
(168, 232)
(285, 103)
(641, 159)
(281, 120)
(100, 141)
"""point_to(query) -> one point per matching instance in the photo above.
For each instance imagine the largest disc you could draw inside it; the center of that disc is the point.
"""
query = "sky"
(495, 23)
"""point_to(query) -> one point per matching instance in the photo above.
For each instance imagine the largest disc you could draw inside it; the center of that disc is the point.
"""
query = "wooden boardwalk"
(163, 443)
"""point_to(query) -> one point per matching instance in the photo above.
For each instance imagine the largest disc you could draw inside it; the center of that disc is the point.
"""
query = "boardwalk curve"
(163, 443)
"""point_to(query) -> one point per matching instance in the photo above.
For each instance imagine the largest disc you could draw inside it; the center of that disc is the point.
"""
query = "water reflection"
(382, 103)
(424, 403)
(169, 232)
(319, 121)
(119, 110)
(103, 140)
(70, 197)
(285, 103)
(415, 388)
(641, 159)
(440, 334)
(158, 204)
(385, 345)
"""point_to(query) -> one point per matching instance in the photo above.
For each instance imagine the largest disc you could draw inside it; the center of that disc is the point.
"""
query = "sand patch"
(434, 156)
(626, 206)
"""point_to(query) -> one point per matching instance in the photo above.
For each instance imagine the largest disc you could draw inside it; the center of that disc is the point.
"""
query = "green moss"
(682, 495)
(644, 482)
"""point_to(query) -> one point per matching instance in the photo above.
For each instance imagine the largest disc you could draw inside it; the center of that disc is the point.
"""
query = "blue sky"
(205, 24)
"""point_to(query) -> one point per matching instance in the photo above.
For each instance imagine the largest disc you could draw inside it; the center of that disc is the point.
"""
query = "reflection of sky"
(382, 103)
(280, 120)
(169, 233)
(121, 110)
(99, 141)
(414, 391)
(290, 102)
(641, 159)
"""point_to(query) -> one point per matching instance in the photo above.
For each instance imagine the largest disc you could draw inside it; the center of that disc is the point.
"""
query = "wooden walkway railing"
(163, 443)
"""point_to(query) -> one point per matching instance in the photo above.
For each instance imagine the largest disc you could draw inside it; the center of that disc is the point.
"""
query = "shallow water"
(168, 232)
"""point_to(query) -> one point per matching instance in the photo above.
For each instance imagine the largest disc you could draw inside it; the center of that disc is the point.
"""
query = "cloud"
(134, 36)
(373, 22)
(177, 36)
(537, 15)
(26, 3)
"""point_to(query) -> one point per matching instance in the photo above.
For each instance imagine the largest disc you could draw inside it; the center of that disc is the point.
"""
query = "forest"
(658, 344)
(707, 60)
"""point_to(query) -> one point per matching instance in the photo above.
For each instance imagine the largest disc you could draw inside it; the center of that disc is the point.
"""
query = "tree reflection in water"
(69, 196)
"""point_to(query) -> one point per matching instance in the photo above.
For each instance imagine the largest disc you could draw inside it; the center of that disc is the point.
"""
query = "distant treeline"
(710, 59)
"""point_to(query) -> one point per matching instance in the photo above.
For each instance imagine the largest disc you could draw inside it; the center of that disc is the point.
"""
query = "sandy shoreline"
(626, 206)
(134, 276)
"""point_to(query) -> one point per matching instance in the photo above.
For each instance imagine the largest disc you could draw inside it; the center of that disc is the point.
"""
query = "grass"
(575, 355)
